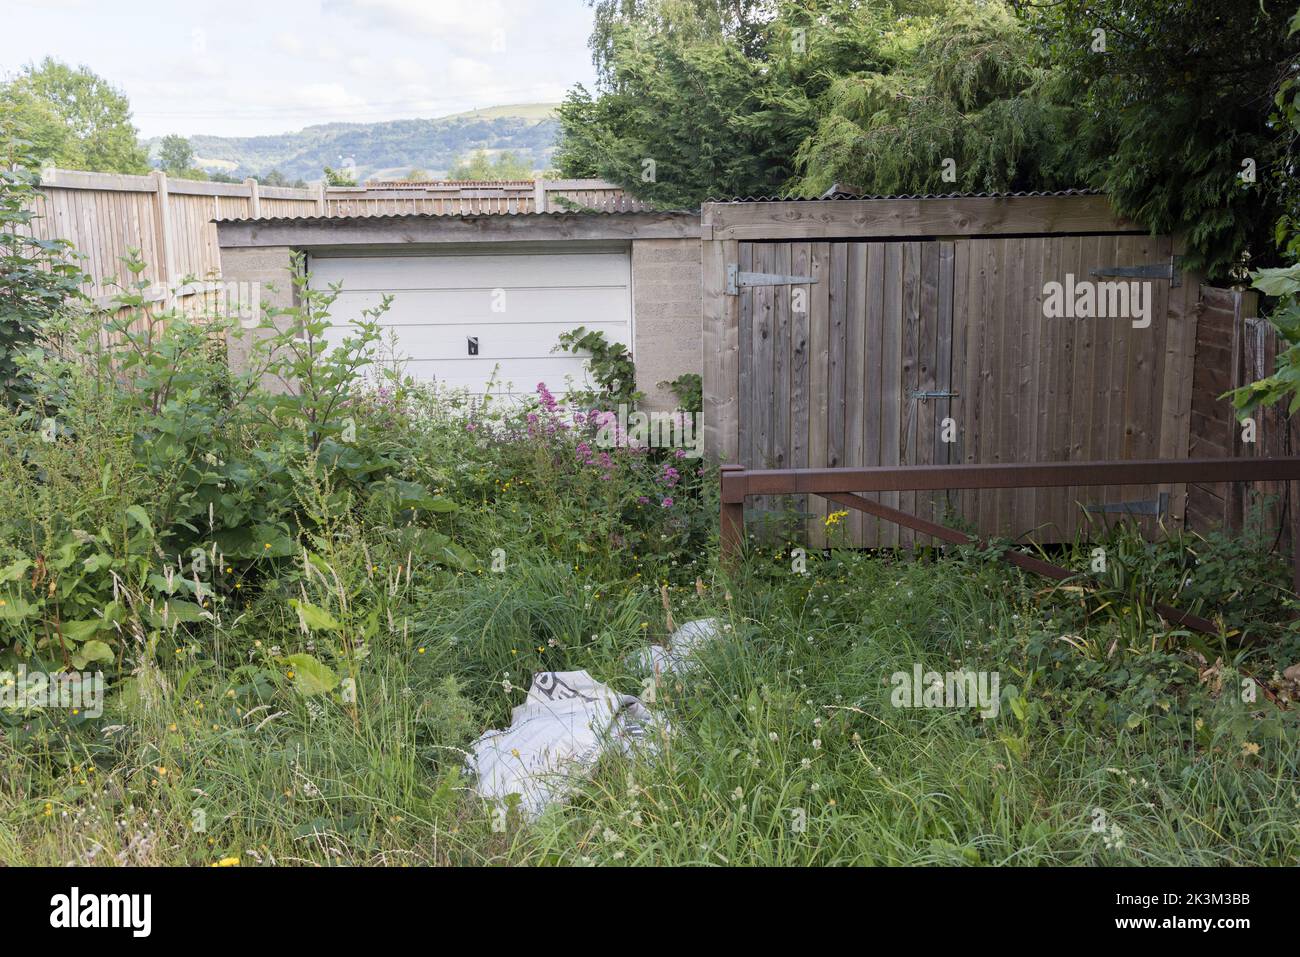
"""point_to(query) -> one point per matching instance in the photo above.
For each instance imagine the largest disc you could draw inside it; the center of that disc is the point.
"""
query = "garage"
(483, 318)
(482, 299)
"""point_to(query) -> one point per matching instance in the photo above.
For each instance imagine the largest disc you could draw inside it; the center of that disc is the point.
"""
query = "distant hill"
(389, 149)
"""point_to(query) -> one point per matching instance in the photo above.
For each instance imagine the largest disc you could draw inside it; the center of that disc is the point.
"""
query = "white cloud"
(458, 23)
(404, 68)
(288, 43)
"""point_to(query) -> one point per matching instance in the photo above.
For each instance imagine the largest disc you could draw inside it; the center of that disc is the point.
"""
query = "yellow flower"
(227, 862)
(290, 674)
(161, 771)
(834, 518)
(1249, 747)
(419, 651)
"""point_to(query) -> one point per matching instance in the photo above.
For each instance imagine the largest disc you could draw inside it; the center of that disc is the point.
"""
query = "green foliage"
(1282, 283)
(730, 103)
(38, 278)
(682, 123)
(176, 157)
(334, 177)
(689, 389)
(957, 103)
(754, 99)
(611, 365)
(1171, 111)
(74, 119)
(482, 166)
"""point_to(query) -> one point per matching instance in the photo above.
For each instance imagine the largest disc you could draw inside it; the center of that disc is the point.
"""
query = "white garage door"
(458, 318)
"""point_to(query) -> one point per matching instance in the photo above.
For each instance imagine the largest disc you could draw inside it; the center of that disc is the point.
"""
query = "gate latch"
(935, 395)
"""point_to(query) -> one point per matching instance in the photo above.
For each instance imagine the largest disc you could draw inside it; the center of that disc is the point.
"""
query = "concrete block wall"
(271, 268)
(666, 306)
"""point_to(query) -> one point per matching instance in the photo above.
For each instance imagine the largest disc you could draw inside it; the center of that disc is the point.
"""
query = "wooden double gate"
(918, 332)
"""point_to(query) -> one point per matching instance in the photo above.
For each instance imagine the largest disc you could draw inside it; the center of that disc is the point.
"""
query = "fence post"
(321, 208)
(539, 195)
(254, 199)
(732, 520)
(164, 217)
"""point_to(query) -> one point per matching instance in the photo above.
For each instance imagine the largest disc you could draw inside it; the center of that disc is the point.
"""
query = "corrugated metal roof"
(391, 217)
(445, 183)
(839, 192)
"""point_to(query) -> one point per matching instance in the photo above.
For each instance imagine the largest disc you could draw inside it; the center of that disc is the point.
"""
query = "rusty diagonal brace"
(840, 485)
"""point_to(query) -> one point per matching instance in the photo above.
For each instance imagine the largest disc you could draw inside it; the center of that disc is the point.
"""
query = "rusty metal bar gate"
(841, 485)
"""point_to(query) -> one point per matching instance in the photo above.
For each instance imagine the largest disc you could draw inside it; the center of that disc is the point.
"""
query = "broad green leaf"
(82, 630)
(186, 611)
(93, 651)
(141, 517)
(11, 573)
(314, 618)
(311, 677)
(1280, 281)
(97, 562)
(16, 609)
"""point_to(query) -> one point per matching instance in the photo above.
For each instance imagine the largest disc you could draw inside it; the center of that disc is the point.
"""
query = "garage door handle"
(473, 345)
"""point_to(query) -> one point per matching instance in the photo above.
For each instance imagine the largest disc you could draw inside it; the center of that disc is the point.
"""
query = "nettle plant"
(149, 485)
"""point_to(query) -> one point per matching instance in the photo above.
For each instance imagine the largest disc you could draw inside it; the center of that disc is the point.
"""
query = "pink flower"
(666, 503)
(643, 500)
(547, 400)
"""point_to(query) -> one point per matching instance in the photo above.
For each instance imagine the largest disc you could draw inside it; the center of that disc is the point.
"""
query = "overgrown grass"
(785, 747)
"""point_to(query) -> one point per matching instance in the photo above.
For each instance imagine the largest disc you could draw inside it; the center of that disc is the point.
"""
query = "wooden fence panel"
(171, 220)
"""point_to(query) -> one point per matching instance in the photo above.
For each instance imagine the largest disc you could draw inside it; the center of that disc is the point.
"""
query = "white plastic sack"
(567, 721)
(676, 658)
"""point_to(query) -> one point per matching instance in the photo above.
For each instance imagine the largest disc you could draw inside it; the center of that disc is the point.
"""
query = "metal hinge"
(1167, 270)
(737, 279)
(935, 395)
(1158, 506)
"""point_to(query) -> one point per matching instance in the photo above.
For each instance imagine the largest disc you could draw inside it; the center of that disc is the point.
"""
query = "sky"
(247, 67)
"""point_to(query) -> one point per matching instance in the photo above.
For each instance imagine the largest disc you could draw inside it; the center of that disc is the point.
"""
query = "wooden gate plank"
(818, 380)
(800, 264)
(872, 382)
(891, 360)
(855, 295)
